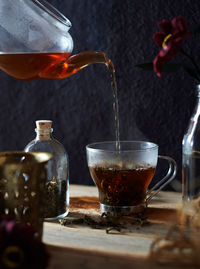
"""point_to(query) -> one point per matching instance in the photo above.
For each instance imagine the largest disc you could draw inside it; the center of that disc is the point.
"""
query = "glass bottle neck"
(198, 91)
(198, 99)
(45, 134)
(196, 111)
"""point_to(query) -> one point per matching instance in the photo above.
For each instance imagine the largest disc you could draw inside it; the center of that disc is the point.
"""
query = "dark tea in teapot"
(58, 65)
(28, 66)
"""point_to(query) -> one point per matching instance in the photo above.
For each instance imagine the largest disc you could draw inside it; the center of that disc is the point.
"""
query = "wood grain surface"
(80, 246)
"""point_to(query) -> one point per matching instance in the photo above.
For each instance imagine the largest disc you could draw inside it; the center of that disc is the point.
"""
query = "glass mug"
(122, 174)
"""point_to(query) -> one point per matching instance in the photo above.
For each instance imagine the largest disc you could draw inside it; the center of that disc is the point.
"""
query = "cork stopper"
(43, 124)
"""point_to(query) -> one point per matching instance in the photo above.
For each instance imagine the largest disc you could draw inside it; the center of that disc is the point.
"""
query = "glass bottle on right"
(191, 156)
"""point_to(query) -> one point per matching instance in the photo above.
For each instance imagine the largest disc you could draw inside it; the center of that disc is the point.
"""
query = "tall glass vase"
(191, 156)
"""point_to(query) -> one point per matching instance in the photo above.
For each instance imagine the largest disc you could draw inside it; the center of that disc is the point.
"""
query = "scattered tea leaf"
(112, 229)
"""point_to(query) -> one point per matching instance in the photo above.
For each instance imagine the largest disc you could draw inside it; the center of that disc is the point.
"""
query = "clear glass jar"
(57, 184)
(191, 156)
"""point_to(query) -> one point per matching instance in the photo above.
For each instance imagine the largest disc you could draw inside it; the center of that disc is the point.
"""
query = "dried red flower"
(170, 38)
(19, 249)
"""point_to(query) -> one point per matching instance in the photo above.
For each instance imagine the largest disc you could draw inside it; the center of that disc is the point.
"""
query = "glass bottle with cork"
(57, 184)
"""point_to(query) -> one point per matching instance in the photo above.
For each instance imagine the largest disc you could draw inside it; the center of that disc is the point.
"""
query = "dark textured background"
(81, 106)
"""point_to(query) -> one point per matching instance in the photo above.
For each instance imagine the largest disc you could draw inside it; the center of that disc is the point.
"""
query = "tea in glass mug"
(123, 174)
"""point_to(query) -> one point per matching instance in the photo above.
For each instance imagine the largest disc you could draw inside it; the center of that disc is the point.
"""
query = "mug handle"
(172, 170)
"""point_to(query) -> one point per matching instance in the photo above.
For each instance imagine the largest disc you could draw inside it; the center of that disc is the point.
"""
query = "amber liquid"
(122, 187)
(31, 66)
(111, 70)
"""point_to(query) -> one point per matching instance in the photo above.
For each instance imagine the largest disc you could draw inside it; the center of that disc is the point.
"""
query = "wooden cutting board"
(78, 245)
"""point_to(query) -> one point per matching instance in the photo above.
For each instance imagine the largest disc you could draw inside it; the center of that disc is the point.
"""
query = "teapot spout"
(67, 67)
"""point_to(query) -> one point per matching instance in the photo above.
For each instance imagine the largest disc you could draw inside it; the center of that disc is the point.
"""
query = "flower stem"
(191, 59)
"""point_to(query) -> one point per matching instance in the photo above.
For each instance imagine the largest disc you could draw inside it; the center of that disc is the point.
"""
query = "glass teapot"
(35, 42)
